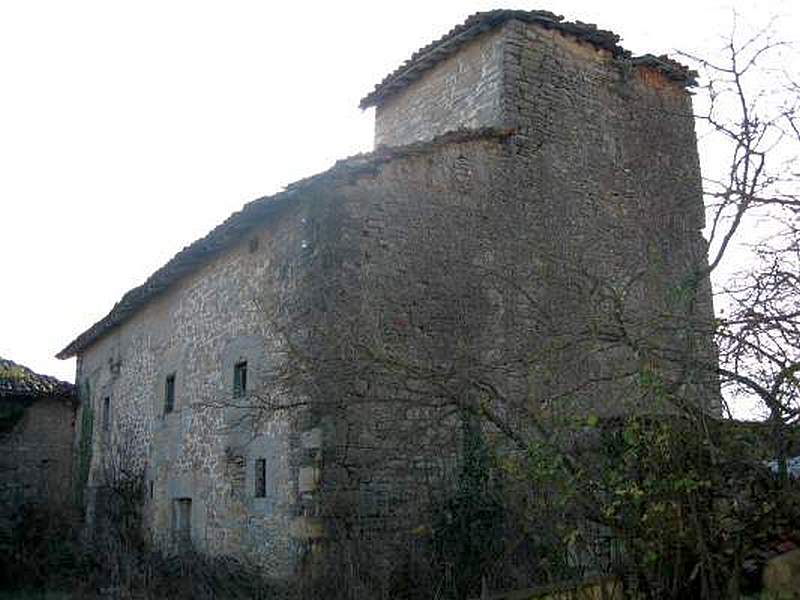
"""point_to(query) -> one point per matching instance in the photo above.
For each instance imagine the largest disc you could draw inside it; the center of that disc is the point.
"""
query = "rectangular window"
(240, 379)
(183, 513)
(107, 413)
(182, 522)
(261, 478)
(169, 394)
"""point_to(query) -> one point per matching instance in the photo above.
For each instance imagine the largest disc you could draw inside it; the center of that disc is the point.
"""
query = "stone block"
(781, 576)
(307, 479)
(311, 439)
(306, 528)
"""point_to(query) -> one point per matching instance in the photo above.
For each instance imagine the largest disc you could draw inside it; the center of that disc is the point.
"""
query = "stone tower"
(604, 157)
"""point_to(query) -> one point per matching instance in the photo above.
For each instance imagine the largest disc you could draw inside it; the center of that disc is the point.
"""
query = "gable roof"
(252, 215)
(429, 56)
(18, 381)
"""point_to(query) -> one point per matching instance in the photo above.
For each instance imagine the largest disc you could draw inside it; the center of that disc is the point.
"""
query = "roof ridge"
(19, 380)
(478, 23)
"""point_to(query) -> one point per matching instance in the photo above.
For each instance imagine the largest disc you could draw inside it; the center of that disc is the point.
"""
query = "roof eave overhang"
(254, 214)
(429, 56)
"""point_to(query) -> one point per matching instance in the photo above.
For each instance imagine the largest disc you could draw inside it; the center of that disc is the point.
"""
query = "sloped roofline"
(18, 381)
(477, 24)
(251, 216)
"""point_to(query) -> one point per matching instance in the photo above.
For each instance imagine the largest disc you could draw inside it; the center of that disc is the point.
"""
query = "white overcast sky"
(130, 129)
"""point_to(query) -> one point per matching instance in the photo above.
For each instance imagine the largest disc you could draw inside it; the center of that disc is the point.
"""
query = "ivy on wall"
(84, 458)
(469, 528)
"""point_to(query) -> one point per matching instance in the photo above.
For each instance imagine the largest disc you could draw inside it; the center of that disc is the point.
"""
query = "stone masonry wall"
(463, 92)
(204, 450)
(509, 265)
(402, 245)
(613, 180)
(36, 456)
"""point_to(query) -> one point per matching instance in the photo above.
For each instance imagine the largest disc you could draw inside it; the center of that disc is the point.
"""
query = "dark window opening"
(152, 489)
(106, 413)
(169, 394)
(261, 478)
(182, 521)
(240, 379)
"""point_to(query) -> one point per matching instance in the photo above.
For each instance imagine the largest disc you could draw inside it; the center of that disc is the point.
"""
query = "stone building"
(37, 426)
(525, 238)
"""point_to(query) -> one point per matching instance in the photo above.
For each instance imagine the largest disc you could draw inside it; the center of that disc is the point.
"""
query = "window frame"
(240, 379)
(182, 522)
(169, 393)
(106, 416)
(260, 478)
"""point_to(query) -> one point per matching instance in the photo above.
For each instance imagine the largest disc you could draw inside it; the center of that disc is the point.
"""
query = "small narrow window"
(107, 413)
(183, 514)
(152, 489)
(240, 379)
(261, 478)
(169, 394)
(182, 522)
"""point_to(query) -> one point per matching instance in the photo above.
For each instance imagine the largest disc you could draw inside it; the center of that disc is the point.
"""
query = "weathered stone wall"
(536, 272)
(554, 269)
(613, 180)
(404, 301)
(461, 92)
(607, 163)
(36, 456)
(202, 450)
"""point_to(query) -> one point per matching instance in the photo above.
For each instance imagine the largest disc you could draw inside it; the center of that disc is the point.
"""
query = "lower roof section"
(251, 216)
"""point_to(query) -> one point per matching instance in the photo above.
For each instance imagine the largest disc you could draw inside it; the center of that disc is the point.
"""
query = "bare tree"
(752, 103)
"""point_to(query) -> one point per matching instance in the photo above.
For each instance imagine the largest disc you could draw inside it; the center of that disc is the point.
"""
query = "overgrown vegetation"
(676, 512)
(51, 550)
(469, 529)
(13, 373)
(48, 554)
(84, 457)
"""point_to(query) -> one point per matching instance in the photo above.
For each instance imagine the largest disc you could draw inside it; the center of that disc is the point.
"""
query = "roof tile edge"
(254, 213)
(429, 56)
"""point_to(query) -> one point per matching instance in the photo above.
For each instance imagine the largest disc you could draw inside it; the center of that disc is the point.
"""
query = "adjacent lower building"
(37, 428)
